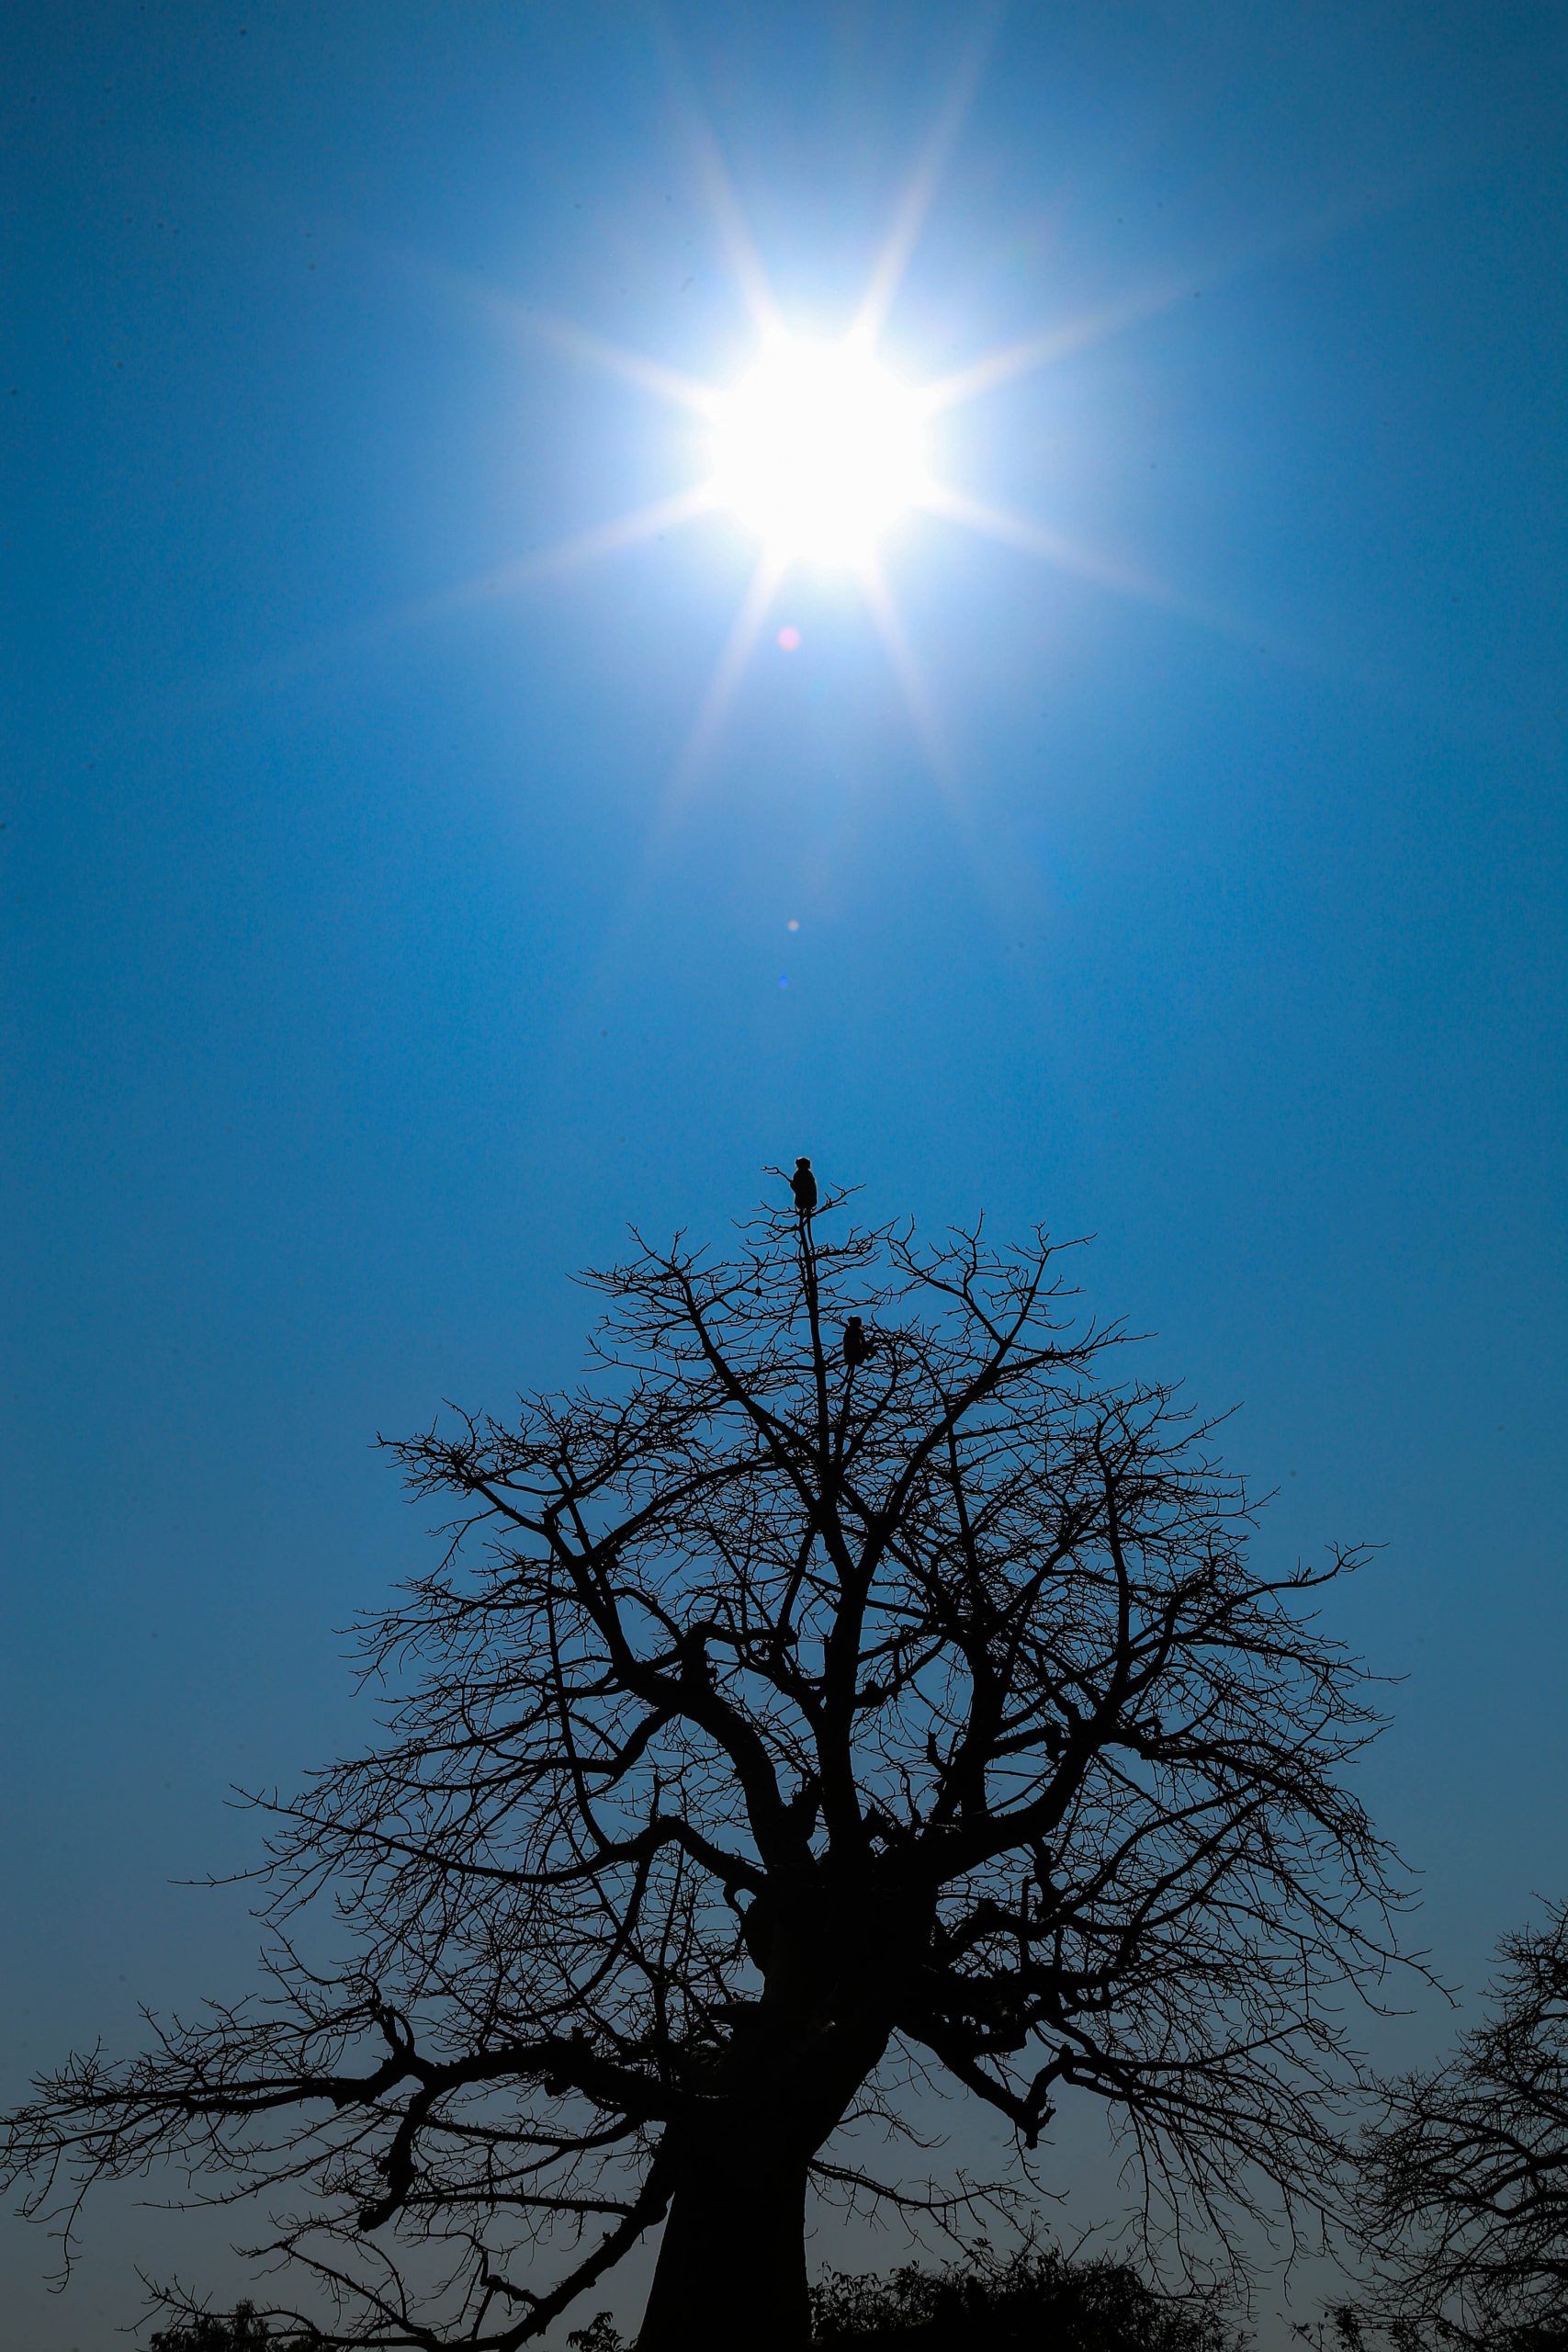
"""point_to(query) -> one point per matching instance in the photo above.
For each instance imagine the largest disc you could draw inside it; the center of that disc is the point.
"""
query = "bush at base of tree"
(1039, 2296)
(1350, 2328)
(242, 2330)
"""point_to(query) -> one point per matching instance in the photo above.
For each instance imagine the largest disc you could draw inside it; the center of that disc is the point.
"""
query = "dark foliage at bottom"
(1348, 2328)
(242, 2330)
(1036, 2298)
(1039, 2297)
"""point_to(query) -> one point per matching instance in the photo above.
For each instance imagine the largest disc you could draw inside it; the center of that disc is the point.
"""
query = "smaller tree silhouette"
(1470, 2172)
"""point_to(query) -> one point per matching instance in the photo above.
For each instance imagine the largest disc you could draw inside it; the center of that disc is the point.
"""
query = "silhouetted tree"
(1470, 2173)
(775, 1726)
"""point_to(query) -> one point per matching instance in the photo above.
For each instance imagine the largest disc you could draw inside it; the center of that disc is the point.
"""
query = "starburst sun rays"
(819, 448)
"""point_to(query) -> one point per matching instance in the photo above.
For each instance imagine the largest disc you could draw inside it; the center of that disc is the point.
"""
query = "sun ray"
(1008, 883)
(743, 634)
(744, 258)
(668, 383)
(342, 644)
(606, 538)
(1085, 563)
(1050, 546)
(901, 660)
(713, 175)
(1175, 285)
(1022, 359)
(526, 318)
(909, 217)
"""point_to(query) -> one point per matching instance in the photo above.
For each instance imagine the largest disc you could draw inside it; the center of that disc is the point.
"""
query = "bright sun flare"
(818, 451)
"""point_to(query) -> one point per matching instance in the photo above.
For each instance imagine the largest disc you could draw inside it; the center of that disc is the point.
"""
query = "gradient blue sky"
(369, 961)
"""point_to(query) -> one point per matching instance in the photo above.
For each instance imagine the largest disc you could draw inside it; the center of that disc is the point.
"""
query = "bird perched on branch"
(857, 1341)
(803, 1185)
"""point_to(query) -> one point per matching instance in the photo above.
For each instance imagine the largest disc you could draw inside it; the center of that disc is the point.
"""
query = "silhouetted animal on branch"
(858, 1342)
(803, 1185)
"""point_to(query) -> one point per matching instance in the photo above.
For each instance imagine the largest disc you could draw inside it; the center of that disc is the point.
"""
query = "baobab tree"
(774, 1724)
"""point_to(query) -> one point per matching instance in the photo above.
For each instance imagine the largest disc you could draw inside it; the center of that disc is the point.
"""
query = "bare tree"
(784, 1718)
(1470, 2173)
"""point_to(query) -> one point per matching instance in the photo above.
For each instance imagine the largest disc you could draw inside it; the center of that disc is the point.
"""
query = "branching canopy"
(773, 1722)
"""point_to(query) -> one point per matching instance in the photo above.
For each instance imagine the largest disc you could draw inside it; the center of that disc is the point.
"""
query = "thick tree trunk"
(731, 2268)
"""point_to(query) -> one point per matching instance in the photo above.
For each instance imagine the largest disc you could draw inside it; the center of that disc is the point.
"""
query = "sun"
(818, 451)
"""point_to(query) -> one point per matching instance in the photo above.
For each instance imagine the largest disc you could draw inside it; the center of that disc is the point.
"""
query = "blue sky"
(374, 950)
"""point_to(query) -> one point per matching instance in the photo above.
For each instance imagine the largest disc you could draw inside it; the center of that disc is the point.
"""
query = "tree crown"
(862, 1668)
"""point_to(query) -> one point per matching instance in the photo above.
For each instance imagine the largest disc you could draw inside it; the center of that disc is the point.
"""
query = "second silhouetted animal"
(857, 1341)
